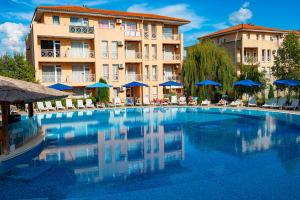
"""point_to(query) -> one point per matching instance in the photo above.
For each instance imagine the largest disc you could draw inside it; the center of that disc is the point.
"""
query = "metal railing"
(146, 35)
(171, 56)
(250, 59)
(133, 77)
(133, 55)
(133, 33)
(171, 78)
(50, 53)
(81, 29)
(52, 78)
(83, 54)
(168, 36)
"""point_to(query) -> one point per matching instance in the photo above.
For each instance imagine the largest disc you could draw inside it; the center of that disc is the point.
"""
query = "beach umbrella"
(99, 85)
(171, 83)
(60, 87)
(288, 83)
(248, 84)
(208, 83)
(135, 84)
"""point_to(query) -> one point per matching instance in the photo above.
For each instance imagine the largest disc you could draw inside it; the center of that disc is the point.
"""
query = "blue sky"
(206, 15)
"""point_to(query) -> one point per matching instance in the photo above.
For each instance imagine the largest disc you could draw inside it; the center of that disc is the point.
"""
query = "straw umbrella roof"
(17, 91)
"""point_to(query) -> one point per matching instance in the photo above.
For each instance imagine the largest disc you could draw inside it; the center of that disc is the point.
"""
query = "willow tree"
(207, 60)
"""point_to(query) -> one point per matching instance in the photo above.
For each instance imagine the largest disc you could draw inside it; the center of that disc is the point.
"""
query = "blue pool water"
(161, 153)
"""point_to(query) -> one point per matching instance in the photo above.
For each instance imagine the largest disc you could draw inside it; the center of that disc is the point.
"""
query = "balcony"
(83, 54)
(132, 33)
(69, 79)
(171, 57)
(134, 77)
(50, 53)
(84, 79)
(133, 55)
(250, 59)
(171, 78)
(168, 36)
(81, 29)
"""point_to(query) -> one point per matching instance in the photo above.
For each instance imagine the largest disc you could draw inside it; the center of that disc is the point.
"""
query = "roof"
(17, 91)
(249, 27)
(86, 10)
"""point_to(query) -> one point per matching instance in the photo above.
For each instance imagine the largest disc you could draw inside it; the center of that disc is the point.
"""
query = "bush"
(271, 92)
(103, 93)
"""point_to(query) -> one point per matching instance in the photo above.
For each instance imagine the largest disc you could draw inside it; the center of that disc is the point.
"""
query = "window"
(51, 74)
(81, 73)
(271, 38)
(263, 37)
(115, 72)
(269, 55)
(168, 33)
(79, 49)
(104, 49)
(154, 51)
(154, 92)
(116, 92)
(114, 49)
(248, 36)
(50, 48)
(105, 72)
(109, 24)
(76, 21)
(146, 71)
(154, 72)
(263, 55)
(257, 36)
(146, 31)
(146, 51)
(56, 20)
(153, 31)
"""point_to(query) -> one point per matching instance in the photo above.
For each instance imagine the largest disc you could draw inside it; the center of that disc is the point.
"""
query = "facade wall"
(44, 29)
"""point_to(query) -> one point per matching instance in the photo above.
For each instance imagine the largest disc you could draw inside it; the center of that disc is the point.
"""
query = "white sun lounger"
(117, 101)
(59, 105)
(80, 104)
(269, 104)
(182, 101)
(49, 105)
(280, 103)
(252, 102)
(294, 105)
(41, 107)
(146, 101)
(89, 103)
(174, 100)
(69, 104)
(205, 102)
(236, 103)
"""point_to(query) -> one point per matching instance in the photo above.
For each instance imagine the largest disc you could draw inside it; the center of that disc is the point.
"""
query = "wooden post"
(4, 129)
(30, 109)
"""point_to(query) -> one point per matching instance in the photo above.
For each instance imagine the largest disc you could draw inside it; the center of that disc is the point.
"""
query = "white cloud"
(242, 15)
(21, 15)
(12, 37)
(221, 25)
(192, 37)
(177, 10)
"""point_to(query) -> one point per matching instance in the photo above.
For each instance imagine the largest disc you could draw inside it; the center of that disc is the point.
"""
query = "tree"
(16, 67)
(271, 92)
(207, 60)
(287, 60)
(103, 93)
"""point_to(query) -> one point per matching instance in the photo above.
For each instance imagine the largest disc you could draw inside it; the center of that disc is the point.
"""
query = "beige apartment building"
(250, 45)
(77, 46)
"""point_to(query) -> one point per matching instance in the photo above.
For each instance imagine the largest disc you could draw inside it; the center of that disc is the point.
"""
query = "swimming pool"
(161, 153)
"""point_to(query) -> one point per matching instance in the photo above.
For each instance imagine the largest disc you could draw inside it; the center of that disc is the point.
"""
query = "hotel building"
(249, 44)
(77, 46)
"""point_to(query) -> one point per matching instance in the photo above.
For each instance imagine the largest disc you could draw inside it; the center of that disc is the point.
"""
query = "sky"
(206, 16)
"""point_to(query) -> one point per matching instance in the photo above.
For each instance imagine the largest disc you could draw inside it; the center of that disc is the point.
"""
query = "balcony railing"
(171, 78)
(50, 53)
(250, 59)
(168, 36)
(84, 78)
(133, 77)
(81, 29)
(52, 78)
(146, 35)
(133, 55)
(171, 57)
(82, 54)
(133, 33)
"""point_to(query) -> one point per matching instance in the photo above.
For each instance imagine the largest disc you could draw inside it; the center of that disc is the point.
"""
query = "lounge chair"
(182, 101)
(146, 101)
(164, 102)
(49, 105)
(269, 103)
(89, 103)
(138, 102)
(192, 101)
(205, 102)
(59, 105)
(174, 100)
(252, 102)
(13, 109)
(236, 103)
(69, 104)
(222, 102)
(80, 104)
(280, 104)
(129, 101)
(117, 101)
(156, 102)
(100, 105)
(294, 105)
(41, 107)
